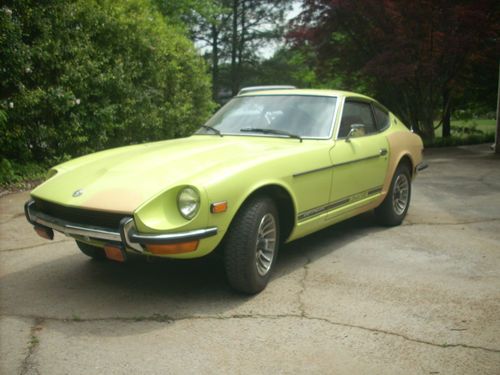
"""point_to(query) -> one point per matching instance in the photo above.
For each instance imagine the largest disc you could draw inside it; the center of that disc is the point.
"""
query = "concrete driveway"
(422, 298)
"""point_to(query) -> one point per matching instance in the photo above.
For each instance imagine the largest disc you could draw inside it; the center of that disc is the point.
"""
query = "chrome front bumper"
(126, 233)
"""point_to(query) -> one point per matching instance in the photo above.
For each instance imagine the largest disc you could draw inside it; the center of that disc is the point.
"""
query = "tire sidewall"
(269, 209)
(401, 170)
(240, 245)
(385, 213)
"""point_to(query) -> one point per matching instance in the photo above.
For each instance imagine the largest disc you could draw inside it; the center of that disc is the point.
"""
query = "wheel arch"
(397, 160)
(284, 204)
(406, 159)
(401, 146)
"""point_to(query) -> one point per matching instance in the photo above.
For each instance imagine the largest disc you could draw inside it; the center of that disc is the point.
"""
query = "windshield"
(276, 115)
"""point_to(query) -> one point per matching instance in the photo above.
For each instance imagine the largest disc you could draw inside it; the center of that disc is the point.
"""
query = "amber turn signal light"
(173, 248)
(114, 252)
(45, 232)
(218, 207)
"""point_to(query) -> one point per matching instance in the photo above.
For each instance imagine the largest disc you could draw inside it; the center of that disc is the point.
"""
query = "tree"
(253, 23)
(413, 55)
(80, 76)
(231, 32)
(211, 30)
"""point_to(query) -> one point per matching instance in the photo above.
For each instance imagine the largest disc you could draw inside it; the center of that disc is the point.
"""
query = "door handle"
(383, 152)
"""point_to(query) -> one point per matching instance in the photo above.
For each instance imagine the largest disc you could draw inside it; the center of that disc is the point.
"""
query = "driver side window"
(356, 113)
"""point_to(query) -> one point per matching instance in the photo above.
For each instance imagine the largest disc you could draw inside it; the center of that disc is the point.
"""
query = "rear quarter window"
(381, 117)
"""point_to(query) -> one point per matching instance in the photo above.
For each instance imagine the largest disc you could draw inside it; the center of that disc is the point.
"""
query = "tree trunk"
(446, 113)
(241, 44)
(497, 134)
(215, 62)
(234, 50)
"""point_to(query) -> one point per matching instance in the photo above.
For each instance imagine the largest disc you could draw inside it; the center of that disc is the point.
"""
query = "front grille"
(79, 215)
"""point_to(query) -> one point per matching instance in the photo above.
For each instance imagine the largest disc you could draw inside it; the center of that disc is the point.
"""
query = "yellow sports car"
(274, 164)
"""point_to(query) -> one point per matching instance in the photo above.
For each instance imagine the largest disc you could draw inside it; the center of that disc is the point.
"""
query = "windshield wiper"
(216, 131)
(271, 131)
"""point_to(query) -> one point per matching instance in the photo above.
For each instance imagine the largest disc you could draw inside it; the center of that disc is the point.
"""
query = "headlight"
(188, 202)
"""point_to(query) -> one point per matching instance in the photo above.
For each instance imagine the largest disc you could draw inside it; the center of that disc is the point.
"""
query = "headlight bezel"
(188, 195)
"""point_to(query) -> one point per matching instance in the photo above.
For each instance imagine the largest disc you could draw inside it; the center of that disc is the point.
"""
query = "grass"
(476, 125)
(465, 132)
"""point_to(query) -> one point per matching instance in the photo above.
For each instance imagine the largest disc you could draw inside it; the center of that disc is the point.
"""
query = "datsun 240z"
(272, 165)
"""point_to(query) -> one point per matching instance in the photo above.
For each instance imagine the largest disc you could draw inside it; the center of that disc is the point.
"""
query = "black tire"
(242, 250)
(393, 210)
(94, 252)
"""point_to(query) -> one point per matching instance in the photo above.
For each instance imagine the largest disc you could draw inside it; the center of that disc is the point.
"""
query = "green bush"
(454, 140)
(80, 76)
(15, 174)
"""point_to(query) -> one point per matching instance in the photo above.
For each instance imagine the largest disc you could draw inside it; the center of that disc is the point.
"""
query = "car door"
(359, 160)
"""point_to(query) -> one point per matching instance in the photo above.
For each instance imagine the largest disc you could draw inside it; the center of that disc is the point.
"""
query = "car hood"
(121, 179)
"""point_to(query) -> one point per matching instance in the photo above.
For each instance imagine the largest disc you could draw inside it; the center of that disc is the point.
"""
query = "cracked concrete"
(29, 364)
(157, 318)
(302, 307)
(422, 298)
(35, 246)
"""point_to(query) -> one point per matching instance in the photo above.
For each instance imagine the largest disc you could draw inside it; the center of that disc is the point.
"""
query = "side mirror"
(357, 130)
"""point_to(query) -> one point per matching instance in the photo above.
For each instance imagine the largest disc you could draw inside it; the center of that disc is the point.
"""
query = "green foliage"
(187, 12)
(286, 66)
(415, 56)
(15, 174)
(297, 66)
(464, 124)
(79, 76)
(460, 140)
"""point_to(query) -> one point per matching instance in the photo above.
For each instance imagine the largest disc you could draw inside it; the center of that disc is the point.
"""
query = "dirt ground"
(356, 298)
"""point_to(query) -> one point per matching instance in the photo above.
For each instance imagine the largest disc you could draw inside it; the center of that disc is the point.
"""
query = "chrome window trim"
(332, 125)
(337, 129)
(373, 103)
(359, 100)
(249, 89)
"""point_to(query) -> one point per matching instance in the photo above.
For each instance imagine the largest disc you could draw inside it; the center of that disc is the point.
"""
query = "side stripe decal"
(338, 203)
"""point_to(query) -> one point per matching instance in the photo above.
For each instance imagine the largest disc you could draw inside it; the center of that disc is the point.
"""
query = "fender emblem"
(77, 193)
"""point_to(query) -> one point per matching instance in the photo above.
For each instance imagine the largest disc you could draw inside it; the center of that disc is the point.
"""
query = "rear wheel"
(251, 245)
(393, 209)
(91, 251)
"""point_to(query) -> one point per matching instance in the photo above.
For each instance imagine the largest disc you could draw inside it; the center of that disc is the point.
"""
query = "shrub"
(80, 76)
(460, 140)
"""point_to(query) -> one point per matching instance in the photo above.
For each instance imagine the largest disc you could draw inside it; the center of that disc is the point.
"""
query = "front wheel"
(251, 245)
(393, 209)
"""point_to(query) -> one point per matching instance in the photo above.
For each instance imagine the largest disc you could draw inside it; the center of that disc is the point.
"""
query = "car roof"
(308, 92)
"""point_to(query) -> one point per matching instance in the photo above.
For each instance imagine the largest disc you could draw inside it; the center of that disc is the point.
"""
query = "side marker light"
(218, 207)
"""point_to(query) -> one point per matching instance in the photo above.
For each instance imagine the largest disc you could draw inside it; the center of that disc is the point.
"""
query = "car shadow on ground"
(325, 242)
(71, 287)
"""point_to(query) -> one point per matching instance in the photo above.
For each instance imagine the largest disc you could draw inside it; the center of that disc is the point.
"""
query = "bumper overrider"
(124, 237)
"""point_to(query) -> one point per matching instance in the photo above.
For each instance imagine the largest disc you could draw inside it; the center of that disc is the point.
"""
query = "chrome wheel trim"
(266, 244)
(400, 194)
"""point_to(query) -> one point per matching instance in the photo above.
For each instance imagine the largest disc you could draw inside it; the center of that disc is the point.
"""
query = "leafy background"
(78, 76)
